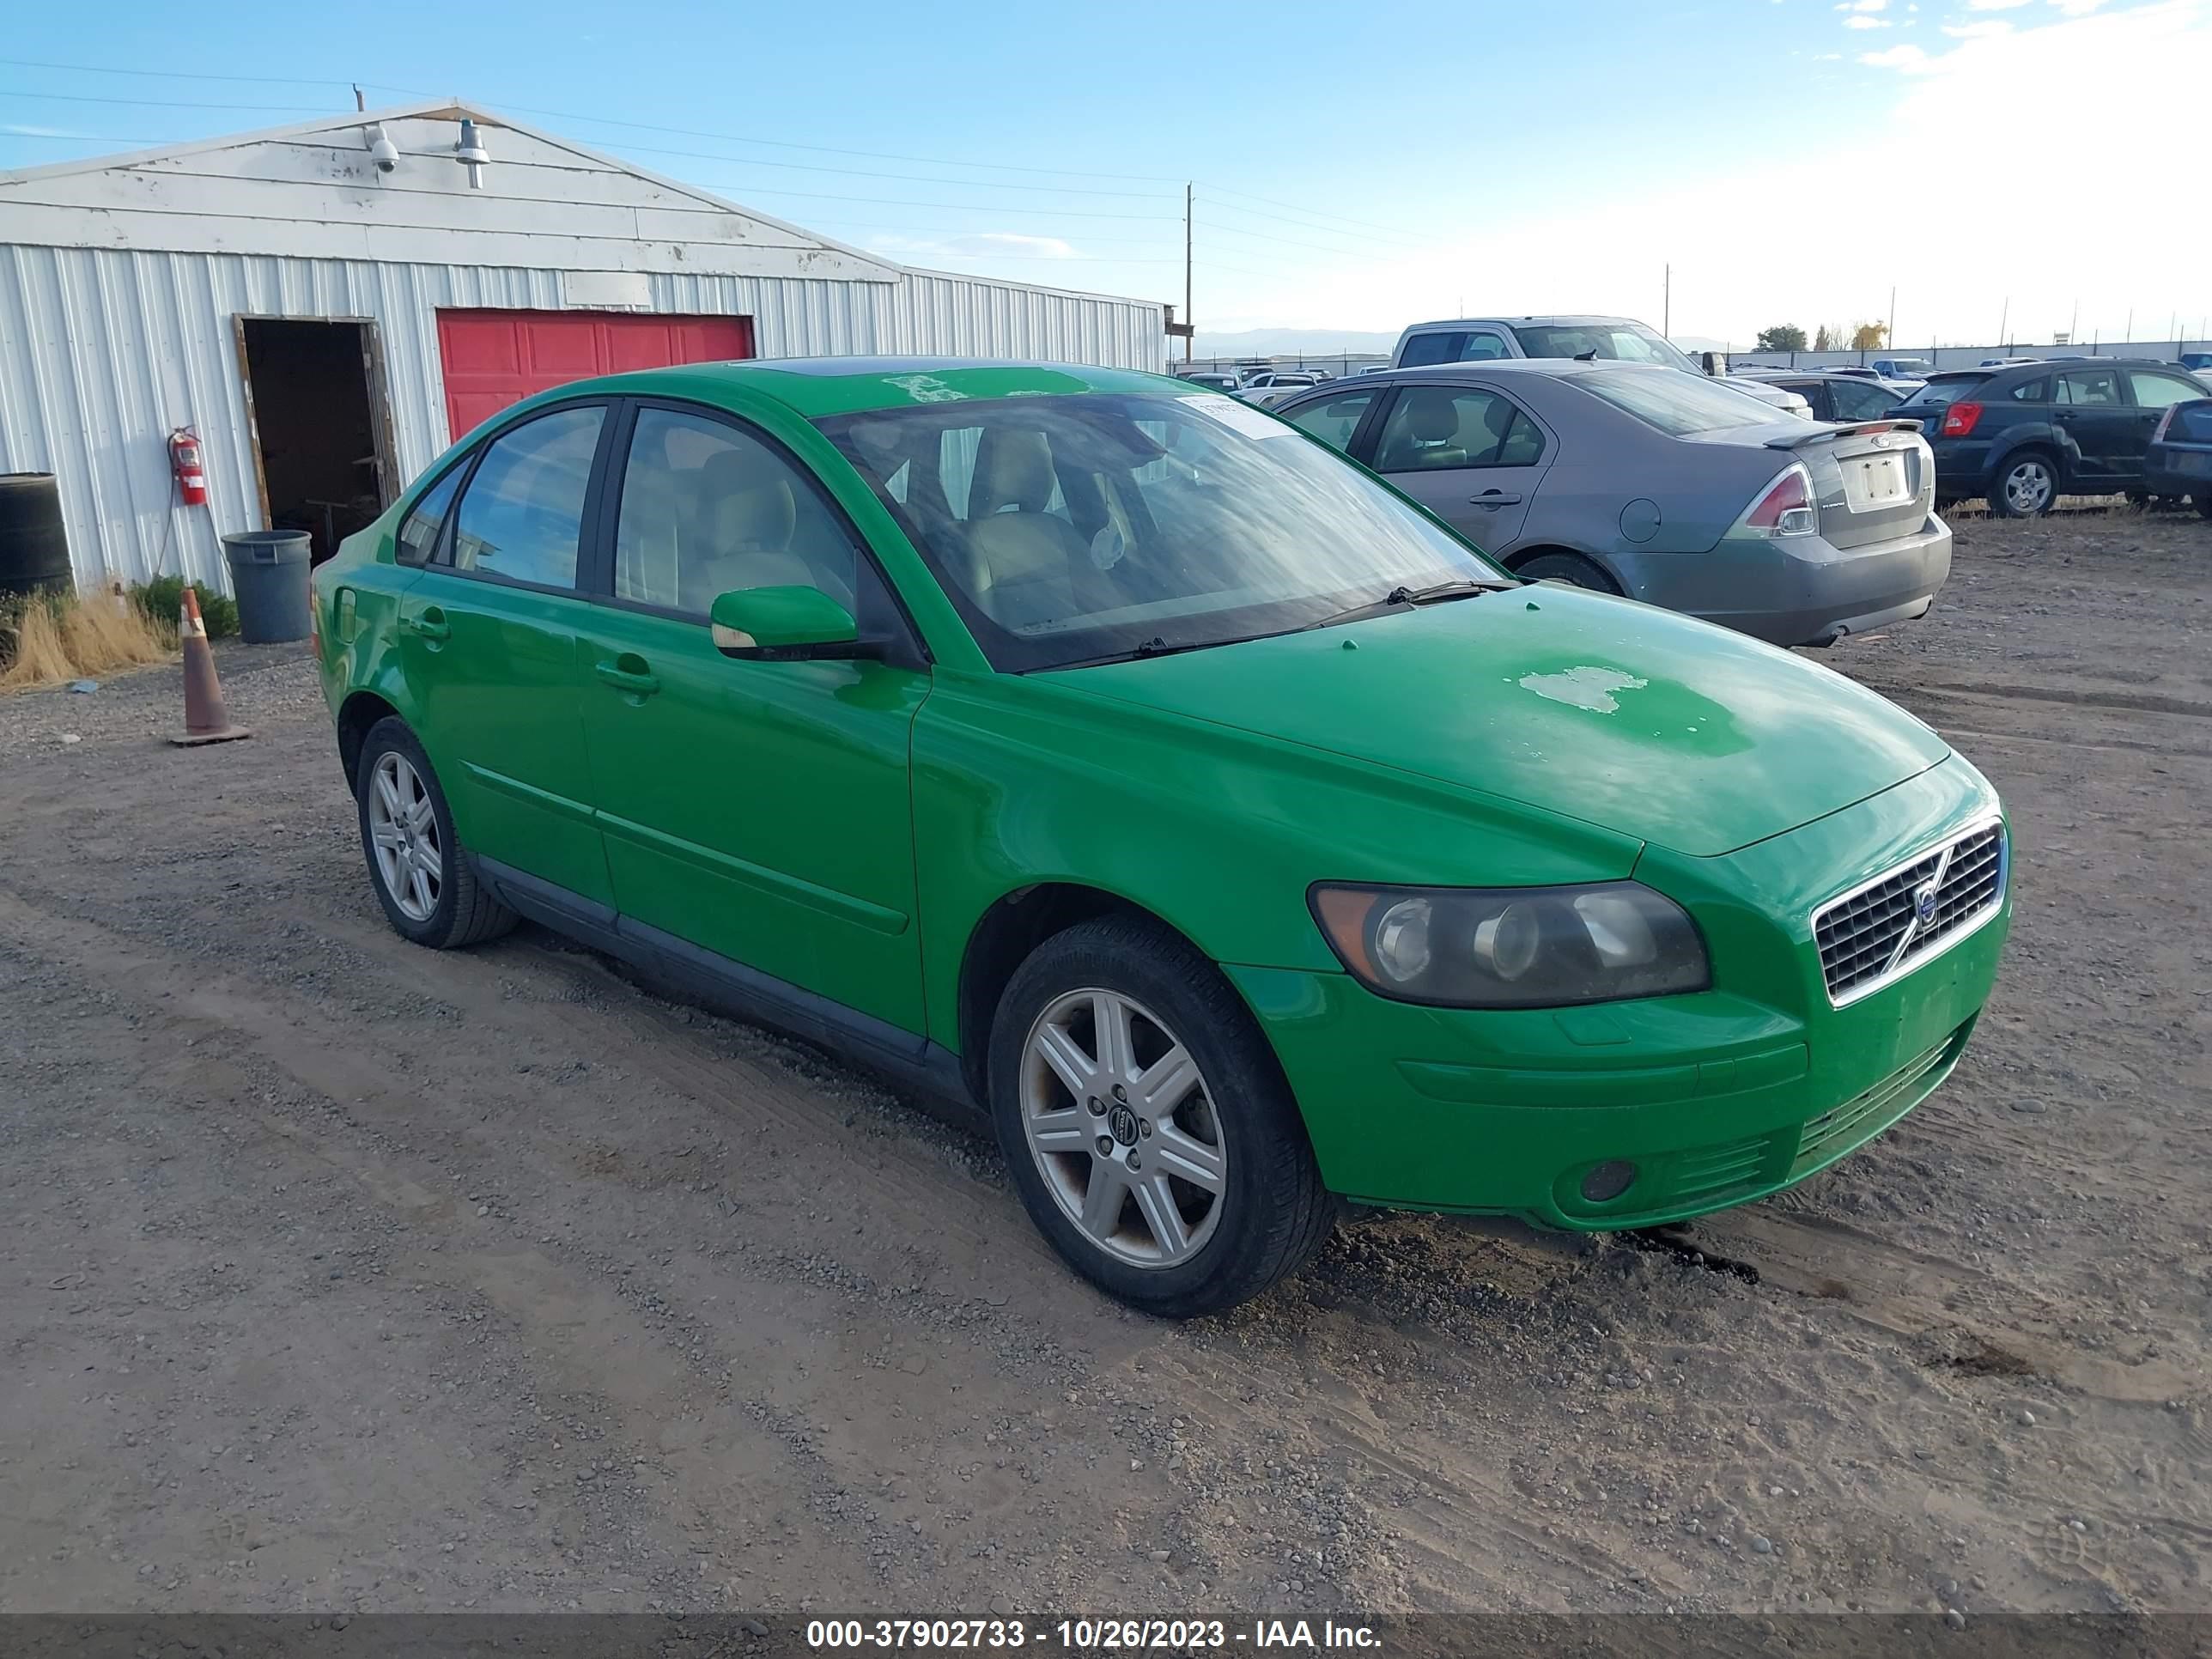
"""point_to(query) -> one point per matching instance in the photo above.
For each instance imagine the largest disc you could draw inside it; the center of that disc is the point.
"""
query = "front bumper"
(1715, 1098)
(1797, 590)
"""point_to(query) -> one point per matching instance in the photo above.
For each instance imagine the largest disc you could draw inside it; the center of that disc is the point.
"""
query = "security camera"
(382, 151)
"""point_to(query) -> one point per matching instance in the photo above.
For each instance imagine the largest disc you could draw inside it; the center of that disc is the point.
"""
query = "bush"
(48, 639)
(163, 598)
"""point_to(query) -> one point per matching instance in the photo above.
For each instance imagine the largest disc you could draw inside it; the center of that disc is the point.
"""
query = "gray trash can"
(269, 573)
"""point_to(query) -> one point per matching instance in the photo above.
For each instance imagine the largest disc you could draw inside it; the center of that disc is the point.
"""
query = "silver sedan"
(1666, 487)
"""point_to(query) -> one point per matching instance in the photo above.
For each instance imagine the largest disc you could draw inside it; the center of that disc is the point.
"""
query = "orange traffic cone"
(206, 720)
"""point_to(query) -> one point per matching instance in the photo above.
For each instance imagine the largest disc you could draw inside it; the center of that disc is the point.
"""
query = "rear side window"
(1860, 400)
(418, 535)
(1452, 345)
(523, 515)
(2036, 390)
(2192, 424)
(1333, 420)
(1944, 389)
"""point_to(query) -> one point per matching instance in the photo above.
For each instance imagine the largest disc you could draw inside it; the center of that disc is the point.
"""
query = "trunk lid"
(1646, 723)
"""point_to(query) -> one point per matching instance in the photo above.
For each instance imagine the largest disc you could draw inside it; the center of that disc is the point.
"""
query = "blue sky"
(1356, 166)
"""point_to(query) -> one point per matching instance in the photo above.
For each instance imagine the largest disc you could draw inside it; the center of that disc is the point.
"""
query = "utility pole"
(1666, 302)
(1889, 338)
(2074, 322)
(2129, 335)
(2003, 339)
(359, 102)
(1188, 316)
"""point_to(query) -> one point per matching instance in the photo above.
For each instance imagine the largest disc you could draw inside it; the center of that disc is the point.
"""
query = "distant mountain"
(1291, 342)
(1331, 342)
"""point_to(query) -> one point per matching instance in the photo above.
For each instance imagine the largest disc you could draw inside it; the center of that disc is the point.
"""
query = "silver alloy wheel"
(2028, 487)
(403, 827)
(1123, 1128)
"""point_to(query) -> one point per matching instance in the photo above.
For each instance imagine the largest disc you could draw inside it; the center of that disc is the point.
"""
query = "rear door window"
(2098, 387)
(522, 516)
(1333, 420)
(419, 533)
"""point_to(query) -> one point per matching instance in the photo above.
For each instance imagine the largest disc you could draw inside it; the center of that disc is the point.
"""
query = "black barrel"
(33, 547)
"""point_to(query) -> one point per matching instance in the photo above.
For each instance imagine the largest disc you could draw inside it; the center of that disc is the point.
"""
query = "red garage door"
(495, 358)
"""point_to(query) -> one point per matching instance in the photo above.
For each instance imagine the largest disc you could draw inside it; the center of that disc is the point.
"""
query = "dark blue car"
(2179, 460)
(2023, 435)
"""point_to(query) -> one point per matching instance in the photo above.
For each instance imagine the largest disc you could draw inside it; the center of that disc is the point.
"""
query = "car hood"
(1649, 724)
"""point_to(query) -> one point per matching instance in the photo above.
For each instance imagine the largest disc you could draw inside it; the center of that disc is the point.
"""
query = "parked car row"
(2023, 435)
(1669, 486)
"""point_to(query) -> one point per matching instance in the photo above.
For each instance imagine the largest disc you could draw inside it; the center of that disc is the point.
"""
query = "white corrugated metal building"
(327, 326)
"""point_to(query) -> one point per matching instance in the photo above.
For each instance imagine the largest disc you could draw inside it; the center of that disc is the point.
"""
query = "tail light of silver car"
(1786, 508)
(2158, 432)
(1959, 418)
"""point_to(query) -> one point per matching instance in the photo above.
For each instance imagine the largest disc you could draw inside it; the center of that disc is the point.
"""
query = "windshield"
(1680, 405)
(1621, 341)
(1944, 389)
(1066, 528)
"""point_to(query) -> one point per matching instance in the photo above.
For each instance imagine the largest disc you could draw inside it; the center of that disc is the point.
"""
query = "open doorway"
(321, 443)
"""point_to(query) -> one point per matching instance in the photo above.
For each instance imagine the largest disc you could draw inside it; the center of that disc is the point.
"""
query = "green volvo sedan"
(1114, 762)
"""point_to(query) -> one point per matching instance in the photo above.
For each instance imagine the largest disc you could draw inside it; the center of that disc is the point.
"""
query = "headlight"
(1514, 947)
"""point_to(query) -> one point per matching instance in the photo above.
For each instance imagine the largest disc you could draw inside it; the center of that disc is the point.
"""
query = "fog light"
(1608, 1180)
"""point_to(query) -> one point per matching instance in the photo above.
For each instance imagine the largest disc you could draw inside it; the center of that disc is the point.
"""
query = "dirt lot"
(343, 1275)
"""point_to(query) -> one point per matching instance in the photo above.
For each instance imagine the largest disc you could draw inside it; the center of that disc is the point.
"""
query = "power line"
(1326, 230)
(785, 143)
(1238, 230)
(864, 173)
(176, 74)
(1270, 201)
(161, 103)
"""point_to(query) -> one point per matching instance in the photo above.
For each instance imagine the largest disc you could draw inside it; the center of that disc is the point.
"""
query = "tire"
(460, 909)
(1235, 1118)
(2024, 487)
(1567, 567)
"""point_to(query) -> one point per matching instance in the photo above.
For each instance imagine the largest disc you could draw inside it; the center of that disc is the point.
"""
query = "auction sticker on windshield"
(1240, 417)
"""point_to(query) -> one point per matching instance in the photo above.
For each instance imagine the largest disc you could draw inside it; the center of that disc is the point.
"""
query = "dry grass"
(50, 641)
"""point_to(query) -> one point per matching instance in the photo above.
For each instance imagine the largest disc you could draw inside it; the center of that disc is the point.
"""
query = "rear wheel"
(1567, 567)
(422, 875)
(2024, 487)
(1148, 1127)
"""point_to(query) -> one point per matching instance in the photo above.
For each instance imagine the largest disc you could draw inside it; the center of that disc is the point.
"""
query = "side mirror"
(1714, 363)
(784, 624)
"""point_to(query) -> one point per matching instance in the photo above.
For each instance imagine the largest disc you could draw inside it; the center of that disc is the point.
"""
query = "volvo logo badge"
(1123, 1122)
(1923, 904)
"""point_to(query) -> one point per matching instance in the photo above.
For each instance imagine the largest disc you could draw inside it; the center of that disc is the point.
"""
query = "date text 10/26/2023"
(1172, 1635)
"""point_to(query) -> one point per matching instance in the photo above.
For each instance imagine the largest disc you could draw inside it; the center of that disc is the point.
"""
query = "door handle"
(635, 680)
(1495, 498)
(431, 625)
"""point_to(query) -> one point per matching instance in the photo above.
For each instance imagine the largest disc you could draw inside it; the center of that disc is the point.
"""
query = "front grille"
(1881, 930)
(1845, 1126)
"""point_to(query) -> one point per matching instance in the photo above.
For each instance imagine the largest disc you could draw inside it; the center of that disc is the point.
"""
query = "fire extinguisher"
(186, 461)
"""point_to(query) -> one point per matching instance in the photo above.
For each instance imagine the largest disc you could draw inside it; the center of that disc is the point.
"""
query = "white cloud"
(1978, 31)
(2077, 8)
(17, 129)
(1862, 5)
(1995, 6)
(1909, 59)
(1866, 24)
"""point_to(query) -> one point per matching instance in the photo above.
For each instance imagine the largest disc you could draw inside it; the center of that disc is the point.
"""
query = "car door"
(488, 644)
(757, 809)
(2153, 392)
(1468, 453)
(2091, 406)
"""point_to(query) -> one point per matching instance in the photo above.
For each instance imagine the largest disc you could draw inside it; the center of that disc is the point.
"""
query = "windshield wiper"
(1460, 588)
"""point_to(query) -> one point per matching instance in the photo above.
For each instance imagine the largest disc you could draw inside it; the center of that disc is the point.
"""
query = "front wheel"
(2026, 487)
(422, 878)
(1148, 1127)
(1567, 567)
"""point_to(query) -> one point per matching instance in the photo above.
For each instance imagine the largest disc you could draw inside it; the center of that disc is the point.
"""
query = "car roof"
(1767, 372)
(815, 386)
(1541, 367)
(1562, 320)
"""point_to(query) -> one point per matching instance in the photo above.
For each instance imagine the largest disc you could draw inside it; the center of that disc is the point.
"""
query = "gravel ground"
(347, 1276)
